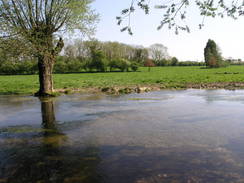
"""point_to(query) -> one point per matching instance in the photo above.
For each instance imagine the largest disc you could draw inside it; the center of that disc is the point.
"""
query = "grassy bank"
(165, 77)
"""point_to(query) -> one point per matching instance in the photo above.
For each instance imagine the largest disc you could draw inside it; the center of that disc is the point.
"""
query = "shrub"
(60, 67)
(121, 64)
(97, 61)
(21, 67)
(134, 66)
(174, 61)
(74, 66)
(113, 65)
(124, 65)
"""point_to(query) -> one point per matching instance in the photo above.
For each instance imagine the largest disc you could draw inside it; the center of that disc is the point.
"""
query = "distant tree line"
(232, 61)
(90, 56)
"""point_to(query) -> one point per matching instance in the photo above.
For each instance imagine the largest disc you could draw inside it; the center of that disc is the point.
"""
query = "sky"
(226, 32)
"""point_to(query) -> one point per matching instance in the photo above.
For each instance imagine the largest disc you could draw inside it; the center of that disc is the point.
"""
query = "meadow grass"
(169, 77)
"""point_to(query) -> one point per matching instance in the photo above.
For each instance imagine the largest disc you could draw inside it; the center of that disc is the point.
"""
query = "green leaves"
(174, 13)
(47, 16)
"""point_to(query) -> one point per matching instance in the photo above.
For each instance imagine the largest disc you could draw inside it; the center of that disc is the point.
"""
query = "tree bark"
(46, 61)
(45, 66)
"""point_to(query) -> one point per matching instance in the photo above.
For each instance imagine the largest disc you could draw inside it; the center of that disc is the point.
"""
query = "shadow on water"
(46, 157)
(171, 165)
(127, 141)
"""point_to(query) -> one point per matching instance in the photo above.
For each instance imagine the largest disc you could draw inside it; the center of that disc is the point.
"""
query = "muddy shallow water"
(190, 136)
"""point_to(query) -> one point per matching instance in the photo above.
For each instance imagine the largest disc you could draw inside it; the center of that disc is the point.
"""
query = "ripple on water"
(167, 136)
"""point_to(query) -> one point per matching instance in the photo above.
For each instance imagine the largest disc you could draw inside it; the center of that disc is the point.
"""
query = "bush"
(174, 61)
(124, 65)
(21, 67)
(191, 63)
(74, 66)
(60, 67)
(113, 65)
(65, 65)
(121, 64)
(97, 61)
(134, 66)
(27, 67)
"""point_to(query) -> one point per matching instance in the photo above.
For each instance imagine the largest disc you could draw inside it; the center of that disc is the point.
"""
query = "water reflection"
(46, 156)
(178, 138)
(48, 114)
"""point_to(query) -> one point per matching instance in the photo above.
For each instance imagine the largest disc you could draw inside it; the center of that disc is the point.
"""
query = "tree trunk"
(46, 60)
(45, 66)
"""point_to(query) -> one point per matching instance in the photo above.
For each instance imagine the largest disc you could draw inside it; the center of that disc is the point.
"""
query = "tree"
(98, 61)
(70, 51)
(174, 12)
(13, 49)
(174, 61)
(212, 55)
(158, 52)
(140, 55)
(38, 22)
(149, 63)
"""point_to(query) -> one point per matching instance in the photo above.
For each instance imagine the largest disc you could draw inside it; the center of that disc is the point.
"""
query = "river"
(186, 136)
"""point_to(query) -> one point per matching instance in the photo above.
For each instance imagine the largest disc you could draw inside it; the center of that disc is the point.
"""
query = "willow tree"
(38, 22)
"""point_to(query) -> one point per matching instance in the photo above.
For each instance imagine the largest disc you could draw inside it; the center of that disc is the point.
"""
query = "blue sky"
(228, 33)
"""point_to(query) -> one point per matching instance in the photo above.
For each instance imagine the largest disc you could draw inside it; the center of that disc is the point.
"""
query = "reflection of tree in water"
(51, 160)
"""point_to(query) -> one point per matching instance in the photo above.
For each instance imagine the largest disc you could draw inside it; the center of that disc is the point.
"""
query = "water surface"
(189, 136)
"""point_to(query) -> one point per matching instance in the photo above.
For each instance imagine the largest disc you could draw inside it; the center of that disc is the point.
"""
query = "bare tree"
(158, 52)
(38, 22)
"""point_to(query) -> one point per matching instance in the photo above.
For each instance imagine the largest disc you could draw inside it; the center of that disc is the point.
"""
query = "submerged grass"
(169, 77)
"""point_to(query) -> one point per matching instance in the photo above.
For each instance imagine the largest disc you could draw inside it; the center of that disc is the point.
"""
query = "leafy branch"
(175, 12)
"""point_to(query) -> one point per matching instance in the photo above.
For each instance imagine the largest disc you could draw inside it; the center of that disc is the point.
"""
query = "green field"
(168, 77)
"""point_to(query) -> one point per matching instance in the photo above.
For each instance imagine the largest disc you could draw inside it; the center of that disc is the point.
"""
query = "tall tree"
(212, 55)
(38, 22)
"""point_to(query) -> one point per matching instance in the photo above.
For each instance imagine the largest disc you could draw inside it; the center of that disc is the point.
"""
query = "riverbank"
(129, 82)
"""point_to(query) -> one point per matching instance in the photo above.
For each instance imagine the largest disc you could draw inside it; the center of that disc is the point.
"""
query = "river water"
(188, 136)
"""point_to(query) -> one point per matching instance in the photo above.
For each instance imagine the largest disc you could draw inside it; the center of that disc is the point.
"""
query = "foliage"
(165, 62)
(98, 61)
(149, 63)
(68, 65)
(174, 12)
(134, 66)
(123, 65)
(33, 19)
(191, 63)
(140, 55)
(174, 61)
(212, 55)
(24, 67)
(35, 22)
